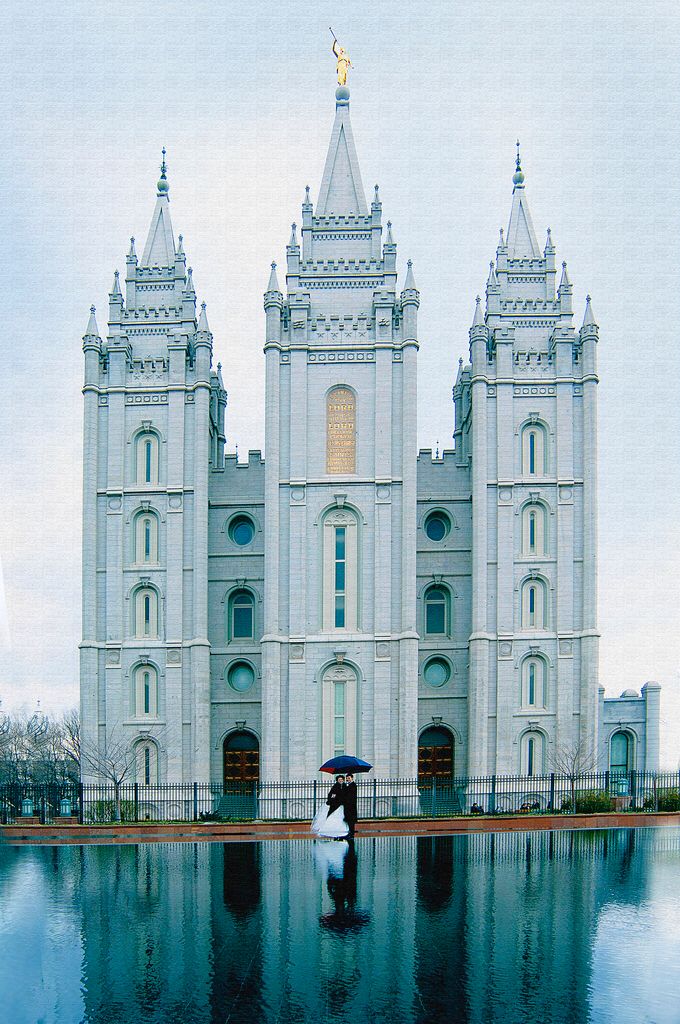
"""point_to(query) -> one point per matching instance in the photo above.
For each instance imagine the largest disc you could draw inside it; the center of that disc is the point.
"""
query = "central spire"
(159, 250)
(342, 191)
(521, 239)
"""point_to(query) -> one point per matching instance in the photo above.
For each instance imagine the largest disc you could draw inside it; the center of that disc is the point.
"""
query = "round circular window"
(437, 525)
(240, 676)
(241, 530)
(437, 672)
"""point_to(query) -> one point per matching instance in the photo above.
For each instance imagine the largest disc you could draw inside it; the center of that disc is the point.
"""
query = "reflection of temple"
(426, 930)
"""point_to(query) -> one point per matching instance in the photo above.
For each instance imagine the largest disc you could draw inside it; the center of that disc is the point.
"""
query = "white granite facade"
(344, 594)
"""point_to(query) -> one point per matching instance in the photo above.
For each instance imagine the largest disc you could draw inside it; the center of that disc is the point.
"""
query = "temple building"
(434, 615)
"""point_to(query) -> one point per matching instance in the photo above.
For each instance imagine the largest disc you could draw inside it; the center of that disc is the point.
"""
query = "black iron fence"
(100, 803)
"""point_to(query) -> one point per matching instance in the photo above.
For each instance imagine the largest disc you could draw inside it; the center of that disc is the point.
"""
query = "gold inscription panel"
(341, 431)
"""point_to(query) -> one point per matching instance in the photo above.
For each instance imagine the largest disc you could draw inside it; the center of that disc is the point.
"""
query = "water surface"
(547, 928)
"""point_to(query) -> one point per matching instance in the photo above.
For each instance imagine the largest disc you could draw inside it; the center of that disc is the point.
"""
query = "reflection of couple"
(338, 816)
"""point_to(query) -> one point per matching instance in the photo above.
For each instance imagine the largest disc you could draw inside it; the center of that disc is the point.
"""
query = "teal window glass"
(340, 575)
(241, 530)
(435, 610)
(242, 616)
(147, 693)
(532, 684)
(148, 455)
(532, 452)
(620, 744)
(437, 672)
(437, 526)
(240, 676)
(339, 719)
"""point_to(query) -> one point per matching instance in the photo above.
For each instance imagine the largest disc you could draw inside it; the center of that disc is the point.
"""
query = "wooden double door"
(241, 759)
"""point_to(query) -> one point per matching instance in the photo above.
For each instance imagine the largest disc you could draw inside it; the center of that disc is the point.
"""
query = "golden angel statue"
(344, 63)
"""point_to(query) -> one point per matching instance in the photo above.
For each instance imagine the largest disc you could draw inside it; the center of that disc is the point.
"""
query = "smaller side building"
(629, 729)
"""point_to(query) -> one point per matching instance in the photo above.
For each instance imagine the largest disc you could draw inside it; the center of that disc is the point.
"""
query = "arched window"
(534, 530)
(534, 450)
(533, 682)
(341, 431)
(146, 613)
(146, 763)
(339, 690)
(340, 575)
(146, 458)
(146, 538)
(534, 604)
(532, 754)
(241, 615)
(146, 691)
(620, 753)
(437, 611)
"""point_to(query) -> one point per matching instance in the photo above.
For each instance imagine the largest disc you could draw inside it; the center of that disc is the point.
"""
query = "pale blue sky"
(243, 98)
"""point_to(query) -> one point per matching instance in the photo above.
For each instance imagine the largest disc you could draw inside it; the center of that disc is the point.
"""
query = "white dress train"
(329, 826)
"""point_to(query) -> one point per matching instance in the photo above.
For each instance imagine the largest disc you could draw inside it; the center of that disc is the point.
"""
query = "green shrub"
(589, 801)
(103, 812)
(668, 800)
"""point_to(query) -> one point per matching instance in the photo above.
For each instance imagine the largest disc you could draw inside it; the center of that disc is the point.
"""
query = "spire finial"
(518, 176)
(376, 197)
(436, 453)
(163, 187)
(132, 247)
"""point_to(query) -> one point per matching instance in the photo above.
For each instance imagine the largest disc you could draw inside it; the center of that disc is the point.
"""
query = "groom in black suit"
(349, 803)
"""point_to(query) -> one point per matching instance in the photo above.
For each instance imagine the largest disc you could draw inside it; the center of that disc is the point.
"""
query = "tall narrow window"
(532, 754)
(146, 538)
(146, 691)
(534, 449)
(146, 613)
(534, 530)
(341, 431)
(146, 757)
(340, 570)
(241, 606)
(436, 611)
(339, 711)
(534, 600)
(340, 583)
(533, 682)
(339, 718)
(619, 758)
(146, 453)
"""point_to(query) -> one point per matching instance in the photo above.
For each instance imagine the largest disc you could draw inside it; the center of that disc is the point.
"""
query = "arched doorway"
(435, 755)
(241, 759)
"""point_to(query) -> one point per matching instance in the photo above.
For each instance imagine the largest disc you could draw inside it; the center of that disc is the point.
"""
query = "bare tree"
(70, 738)
(116, 764)
(572, 760)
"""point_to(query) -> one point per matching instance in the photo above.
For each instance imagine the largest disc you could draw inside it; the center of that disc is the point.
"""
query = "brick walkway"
(249, 831)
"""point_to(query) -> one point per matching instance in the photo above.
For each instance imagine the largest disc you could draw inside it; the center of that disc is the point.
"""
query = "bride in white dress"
(329, 821)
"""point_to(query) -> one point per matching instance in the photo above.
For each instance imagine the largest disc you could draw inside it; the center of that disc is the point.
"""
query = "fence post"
(433, 806)
(254, 800)
(195, 814)
(551, 803)
(135, 798)
(375, 798)
(314, 807)
(492, 798)
(81, 809)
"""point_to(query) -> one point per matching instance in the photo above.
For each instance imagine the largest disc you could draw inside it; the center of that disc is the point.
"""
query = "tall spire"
(92, 330)
(588, 318)
(159, 250)
(521, 239)
(273, 285)
(342, 191)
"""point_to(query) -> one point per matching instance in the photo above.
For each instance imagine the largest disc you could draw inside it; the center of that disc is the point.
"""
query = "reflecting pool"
(548, 928)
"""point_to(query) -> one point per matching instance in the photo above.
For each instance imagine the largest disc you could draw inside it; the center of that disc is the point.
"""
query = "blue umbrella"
(345, 763)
